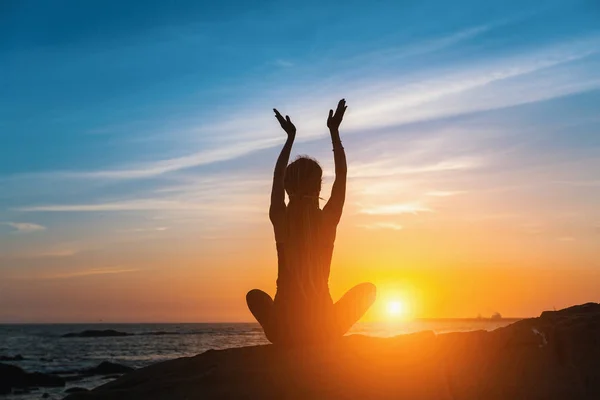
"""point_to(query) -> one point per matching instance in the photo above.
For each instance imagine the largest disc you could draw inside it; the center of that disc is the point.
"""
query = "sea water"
(45, 350)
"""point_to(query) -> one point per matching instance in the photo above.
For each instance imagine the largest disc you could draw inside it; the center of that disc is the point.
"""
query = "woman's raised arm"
(277, 208)
(333, 208)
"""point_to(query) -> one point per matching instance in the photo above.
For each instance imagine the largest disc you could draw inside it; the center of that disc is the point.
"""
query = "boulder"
(107, 368)
(553, 357)
(13, 377)
(113, 376)
(76, 389)
(5, 389)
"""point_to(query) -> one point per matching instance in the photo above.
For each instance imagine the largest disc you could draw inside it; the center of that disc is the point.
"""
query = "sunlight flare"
(396, 309)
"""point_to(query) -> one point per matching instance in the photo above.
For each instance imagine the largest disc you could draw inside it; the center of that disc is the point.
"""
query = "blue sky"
(128, 123)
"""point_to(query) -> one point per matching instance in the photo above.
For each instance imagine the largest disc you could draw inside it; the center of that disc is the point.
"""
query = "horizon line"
(485, 319)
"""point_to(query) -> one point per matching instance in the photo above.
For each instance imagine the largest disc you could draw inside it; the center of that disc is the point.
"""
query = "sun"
(396, 308)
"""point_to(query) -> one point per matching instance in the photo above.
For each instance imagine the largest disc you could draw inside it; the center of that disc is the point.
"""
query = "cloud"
(225, 152)
(584, 183)
(152, 229)
(91, 272)
(398, 208)
(444, 193)
(283, 63)
(422, 47)
(382, 225)
(66, 249)
(566, 239)
(26, 227)
(131, 205)
(377, 104)
(57, 253)
(389, 167)
(214, 206)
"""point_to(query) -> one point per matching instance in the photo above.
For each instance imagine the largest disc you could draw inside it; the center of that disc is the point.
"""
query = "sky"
(137, 144)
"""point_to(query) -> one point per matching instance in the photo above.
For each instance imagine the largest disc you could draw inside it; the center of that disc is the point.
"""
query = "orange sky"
(438, 265)
(135, 161)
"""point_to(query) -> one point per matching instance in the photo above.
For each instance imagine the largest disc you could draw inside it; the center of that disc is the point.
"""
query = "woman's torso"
(304, 254)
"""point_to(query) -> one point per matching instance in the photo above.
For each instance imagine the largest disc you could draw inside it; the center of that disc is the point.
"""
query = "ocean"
(43, 348)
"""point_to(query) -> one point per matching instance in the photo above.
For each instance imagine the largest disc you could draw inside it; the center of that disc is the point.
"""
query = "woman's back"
(304, 253)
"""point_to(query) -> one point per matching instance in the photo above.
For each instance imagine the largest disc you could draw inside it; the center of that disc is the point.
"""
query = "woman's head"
(303, 177)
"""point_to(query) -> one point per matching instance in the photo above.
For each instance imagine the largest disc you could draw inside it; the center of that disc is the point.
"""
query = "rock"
(45, 380)
(553, 357)
(104, 368)
(108, 368)
(18, 357)
(96, 333)
(45, 396)
(73, 378)
(13, 377)
(76, 390)
(114, 376)
(5, 389)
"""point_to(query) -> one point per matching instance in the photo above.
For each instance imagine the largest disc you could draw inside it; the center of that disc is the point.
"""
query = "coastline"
(554, 356)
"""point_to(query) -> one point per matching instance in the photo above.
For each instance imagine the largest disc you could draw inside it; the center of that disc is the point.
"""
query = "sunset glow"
(137, 146)
(396, 309)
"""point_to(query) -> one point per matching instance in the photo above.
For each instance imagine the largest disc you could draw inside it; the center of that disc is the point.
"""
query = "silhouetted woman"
(303, 311)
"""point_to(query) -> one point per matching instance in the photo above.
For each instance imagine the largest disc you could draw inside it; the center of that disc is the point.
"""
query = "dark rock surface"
(107, 368)
(18, 357)
(13, 377)
(113, 376)
(555, 356)
(76, 390)
(104, 368)
(96, 333)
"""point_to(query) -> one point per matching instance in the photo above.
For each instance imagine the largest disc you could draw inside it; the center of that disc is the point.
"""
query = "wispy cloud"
(393, 209)
(566, 239)
(151, 229)
(444, 193)
(56, 250)
(588, 183)
(61, 252)
(26, 227)
(147, 205)
(389, 166)
(472, 87)
(382, 225)
(132, 205)
(227, 151)
(284, 63)
(425, 46)
(91, 272)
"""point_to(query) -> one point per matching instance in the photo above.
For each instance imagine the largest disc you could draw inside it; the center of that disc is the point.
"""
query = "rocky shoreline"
(554, 356)
(15, 380)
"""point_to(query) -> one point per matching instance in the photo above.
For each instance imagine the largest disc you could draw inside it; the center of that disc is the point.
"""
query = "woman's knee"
(254, 294)
(367, 290)
(257, 299)
(362, 295)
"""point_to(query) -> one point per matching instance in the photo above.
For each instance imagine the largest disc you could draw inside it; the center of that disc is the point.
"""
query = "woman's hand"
(334, 120)
(286, 124)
